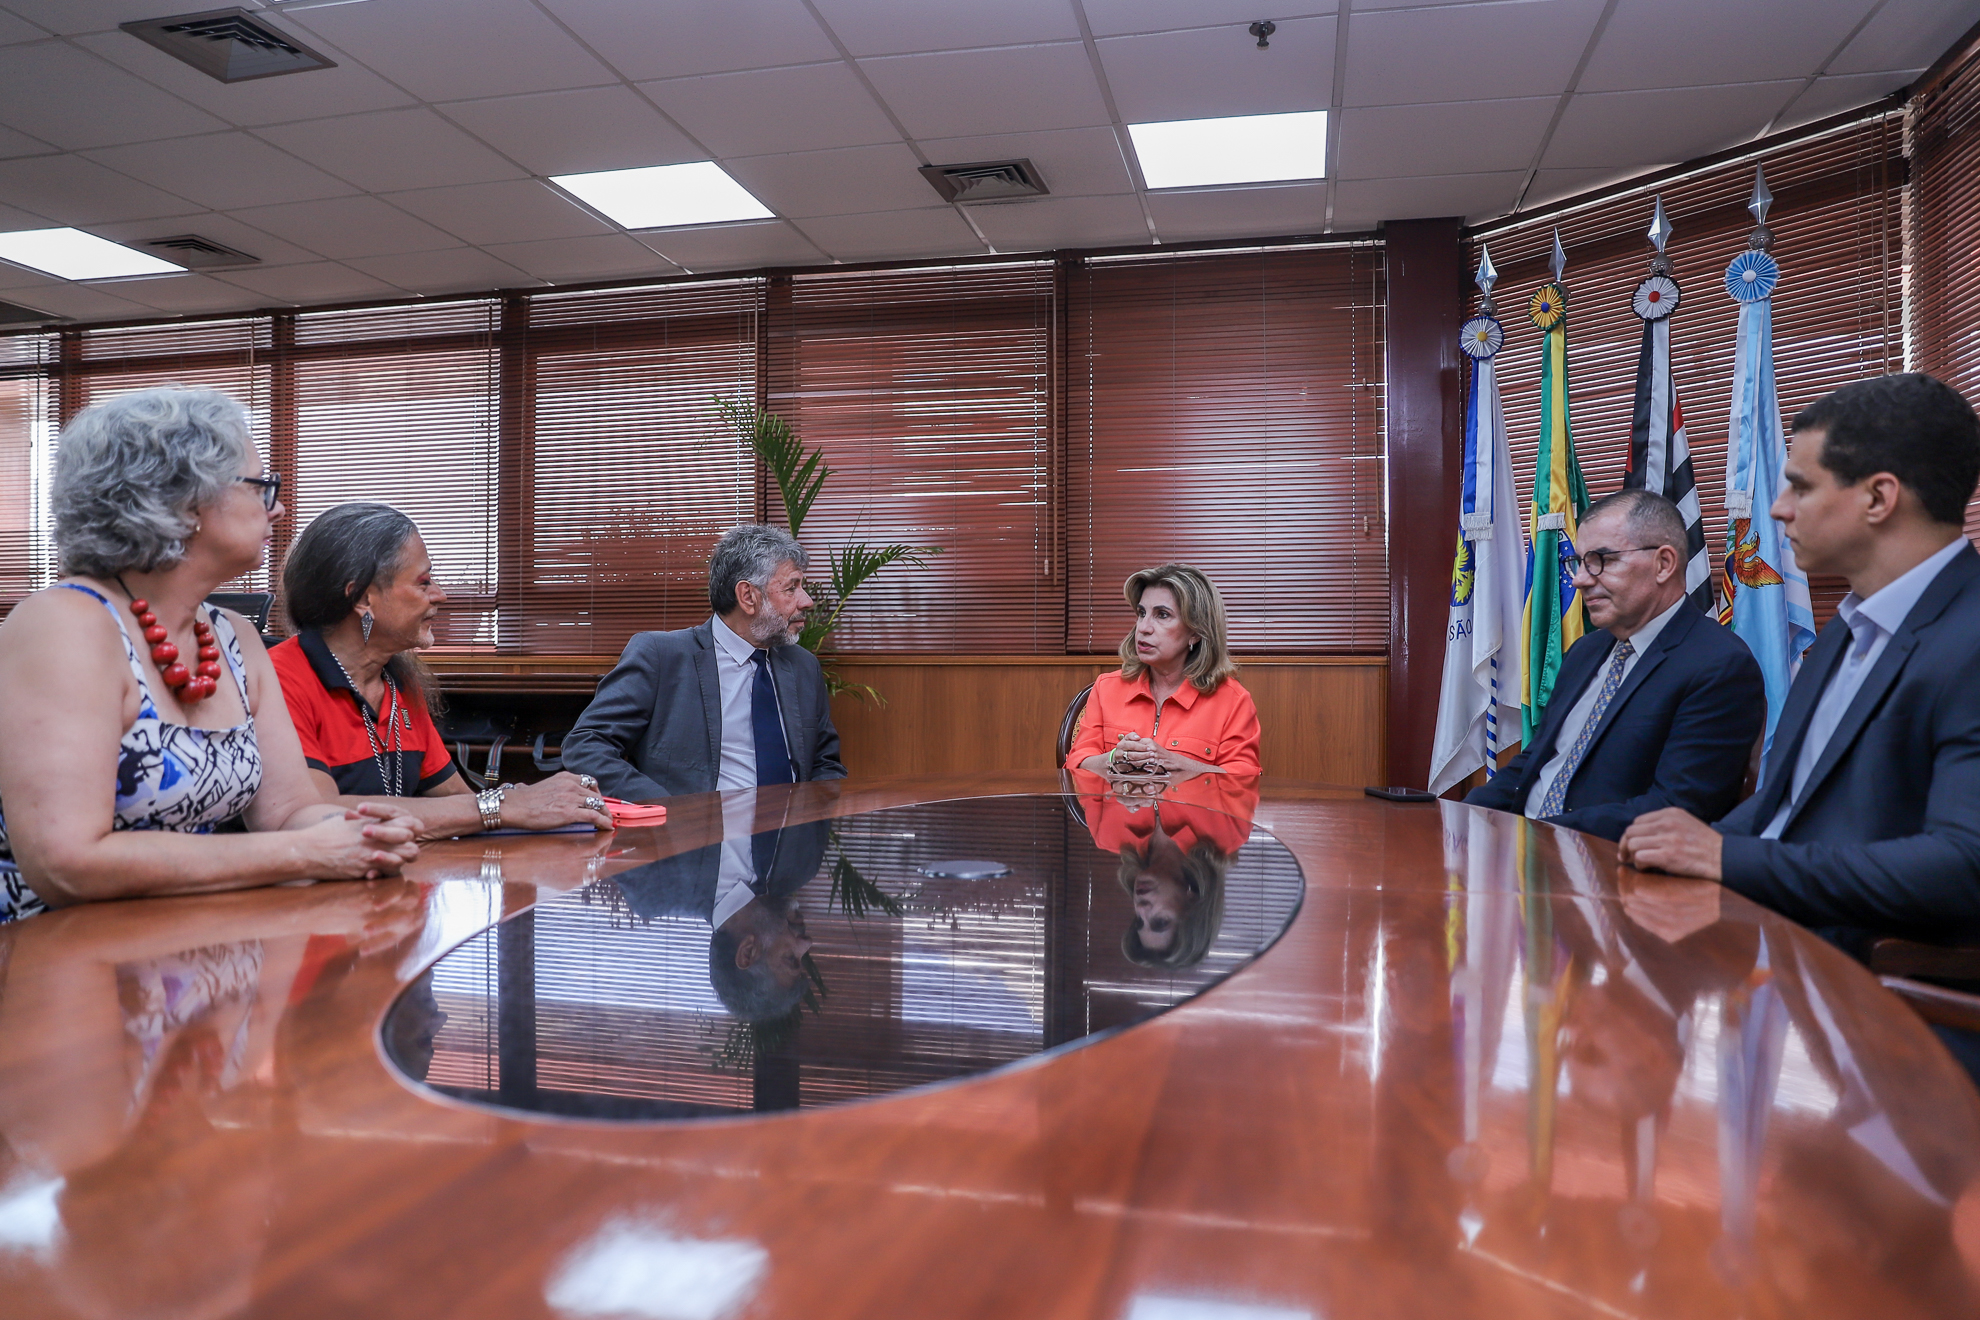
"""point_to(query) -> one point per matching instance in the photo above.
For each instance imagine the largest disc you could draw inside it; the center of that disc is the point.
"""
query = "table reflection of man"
(1176, 840)
(745, 888)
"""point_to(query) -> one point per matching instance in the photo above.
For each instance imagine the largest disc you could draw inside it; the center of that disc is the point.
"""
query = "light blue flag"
(1765, 593)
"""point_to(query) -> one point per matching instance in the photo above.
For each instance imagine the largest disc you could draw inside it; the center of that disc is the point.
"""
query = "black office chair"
(250, 605)
(1069, 723)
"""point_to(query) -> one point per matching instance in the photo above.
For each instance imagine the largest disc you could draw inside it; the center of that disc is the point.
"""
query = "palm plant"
(800, 475)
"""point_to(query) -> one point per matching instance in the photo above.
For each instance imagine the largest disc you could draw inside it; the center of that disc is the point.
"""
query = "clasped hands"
(1137, 757)
(1673, 841)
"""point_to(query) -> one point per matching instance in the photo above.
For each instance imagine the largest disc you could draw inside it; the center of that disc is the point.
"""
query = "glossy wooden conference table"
(1486, 1072)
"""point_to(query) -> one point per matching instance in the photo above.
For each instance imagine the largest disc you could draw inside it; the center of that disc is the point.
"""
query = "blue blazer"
(1886, 837)
(1678, 733)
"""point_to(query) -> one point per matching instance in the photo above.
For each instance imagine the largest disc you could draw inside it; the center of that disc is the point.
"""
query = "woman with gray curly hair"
(135, 717)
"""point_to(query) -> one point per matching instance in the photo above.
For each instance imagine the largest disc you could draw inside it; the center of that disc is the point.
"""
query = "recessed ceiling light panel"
(664, 196)
(70, 254)
(1204, 153)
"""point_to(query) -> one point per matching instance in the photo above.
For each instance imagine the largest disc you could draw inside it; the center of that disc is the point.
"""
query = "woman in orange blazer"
(1174, 707)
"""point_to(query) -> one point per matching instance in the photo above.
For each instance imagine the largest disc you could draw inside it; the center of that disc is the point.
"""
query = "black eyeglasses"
(271, 490)
(1595, 561)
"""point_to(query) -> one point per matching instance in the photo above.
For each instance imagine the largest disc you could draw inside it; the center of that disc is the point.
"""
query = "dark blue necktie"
(773, 759)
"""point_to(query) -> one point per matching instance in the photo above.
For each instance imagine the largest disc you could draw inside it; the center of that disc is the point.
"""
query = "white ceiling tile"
(448, 50)
(317, 94)
(856, 179)
(512, 212)
(868, 28)
(1019, 89)
(1061, 222)
(20, 144)
(392, 149)
(257, 243)
(81, 302)
(598, 128)
(734, 247)
(348, 227)
(1832, 96)
(188, 294)
(319, 282)
(72, 191)
(810, 108)
(895, 235)
(1212, 72)
(1752, 41)
(1366, 203)
(1299, 208)
(1075, 162)
(13, 218)
(1110, 18)
(1466, 52)
(645, 41)
(1907, 34)
(1662, 127)
(452, 271)
(1550, 186)
(223, 171)
(14, 30)
(1466, 137)
(71, 98)
(72, 16)
(575, 260)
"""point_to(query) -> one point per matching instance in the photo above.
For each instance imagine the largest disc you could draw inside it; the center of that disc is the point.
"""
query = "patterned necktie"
(773, 759)
(1556, 798)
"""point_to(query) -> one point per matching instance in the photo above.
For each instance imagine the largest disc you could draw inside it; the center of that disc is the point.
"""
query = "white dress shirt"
(1872, 621)
(1640, 641)
(737, 867)
(735, 667)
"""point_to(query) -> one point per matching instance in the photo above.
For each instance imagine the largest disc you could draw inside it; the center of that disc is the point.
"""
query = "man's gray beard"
(785, 634)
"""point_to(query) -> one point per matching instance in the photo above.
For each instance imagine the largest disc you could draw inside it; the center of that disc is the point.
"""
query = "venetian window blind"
(1838, 311)
(1943, 221)
(1225, 410)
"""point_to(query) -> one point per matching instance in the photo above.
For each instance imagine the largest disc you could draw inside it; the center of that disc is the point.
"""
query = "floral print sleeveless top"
(169, 776)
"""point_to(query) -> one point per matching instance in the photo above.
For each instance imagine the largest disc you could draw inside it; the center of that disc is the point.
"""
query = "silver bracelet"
(489, 801)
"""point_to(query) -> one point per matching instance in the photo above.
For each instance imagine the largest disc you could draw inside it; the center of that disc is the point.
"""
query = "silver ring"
(594, 804)
(588, 782)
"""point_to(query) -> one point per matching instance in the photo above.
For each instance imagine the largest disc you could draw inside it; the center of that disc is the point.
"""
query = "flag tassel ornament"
(1479, 702)
(1765, 594)
(1659, 454)
(1553, 616)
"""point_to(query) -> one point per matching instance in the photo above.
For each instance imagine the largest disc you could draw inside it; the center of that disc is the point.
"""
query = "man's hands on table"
(1674, 841)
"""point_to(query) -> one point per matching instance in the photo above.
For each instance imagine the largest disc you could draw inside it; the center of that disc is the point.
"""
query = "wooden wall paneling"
(1425, 433)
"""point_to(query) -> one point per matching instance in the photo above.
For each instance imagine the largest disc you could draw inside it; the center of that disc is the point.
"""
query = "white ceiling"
(416, 166)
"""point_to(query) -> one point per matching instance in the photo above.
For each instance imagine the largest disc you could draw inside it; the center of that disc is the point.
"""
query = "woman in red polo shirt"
(1174, 707)
(359, 586)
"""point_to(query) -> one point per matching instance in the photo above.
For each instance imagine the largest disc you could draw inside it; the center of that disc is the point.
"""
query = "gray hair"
(1650, 518)
(750, 553)
(131, 472)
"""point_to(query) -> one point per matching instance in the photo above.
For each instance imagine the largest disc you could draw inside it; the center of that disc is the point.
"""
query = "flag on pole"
(1659, 455)
(1479, 703)
(1553, 619)
(1765, 596)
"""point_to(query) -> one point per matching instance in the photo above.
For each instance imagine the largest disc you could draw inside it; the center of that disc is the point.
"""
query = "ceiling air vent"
(194, 252)
(228, 44)
(986, 181)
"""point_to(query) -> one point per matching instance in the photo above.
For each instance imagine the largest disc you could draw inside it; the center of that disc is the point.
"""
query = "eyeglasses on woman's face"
(271, 490)
(1596, 561)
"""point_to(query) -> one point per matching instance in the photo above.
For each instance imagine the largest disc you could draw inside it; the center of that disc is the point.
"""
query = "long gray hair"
(338, 557)
(131, 474)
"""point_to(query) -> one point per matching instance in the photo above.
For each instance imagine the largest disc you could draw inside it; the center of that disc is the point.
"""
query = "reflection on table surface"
(837, 960)
(1483, 1072)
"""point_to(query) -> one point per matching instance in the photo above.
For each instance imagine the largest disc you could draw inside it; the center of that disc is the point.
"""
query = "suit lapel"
(711, 696)
(786, 671)
(1950, 581)
(1569, 684)
(1674, 632)
(1817, 668)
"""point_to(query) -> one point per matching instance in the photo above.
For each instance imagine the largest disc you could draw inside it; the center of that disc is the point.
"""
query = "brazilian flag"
(1553, 618)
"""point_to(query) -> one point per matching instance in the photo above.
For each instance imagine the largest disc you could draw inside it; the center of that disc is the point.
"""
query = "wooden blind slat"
(1943, 214)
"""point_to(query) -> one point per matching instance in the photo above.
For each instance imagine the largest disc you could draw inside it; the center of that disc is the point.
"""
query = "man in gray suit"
(731, 703)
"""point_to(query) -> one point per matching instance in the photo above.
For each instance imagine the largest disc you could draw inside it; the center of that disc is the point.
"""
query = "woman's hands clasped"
(1137, 756)
(367, 842)
(562, 799)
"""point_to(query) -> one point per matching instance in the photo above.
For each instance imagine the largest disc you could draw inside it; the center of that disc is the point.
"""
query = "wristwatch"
(489, 801)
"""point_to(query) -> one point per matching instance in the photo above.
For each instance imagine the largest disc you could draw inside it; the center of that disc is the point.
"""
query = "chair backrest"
(1069, 723)
(250, 605)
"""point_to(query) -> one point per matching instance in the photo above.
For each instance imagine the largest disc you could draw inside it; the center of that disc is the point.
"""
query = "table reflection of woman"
(1175, 850)
(1174, 707)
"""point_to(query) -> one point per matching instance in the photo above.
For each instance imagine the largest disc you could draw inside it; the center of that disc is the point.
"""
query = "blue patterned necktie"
(773, 759)
(1556, 798)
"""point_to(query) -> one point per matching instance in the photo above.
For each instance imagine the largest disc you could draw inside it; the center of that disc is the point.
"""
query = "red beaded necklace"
(190, 686)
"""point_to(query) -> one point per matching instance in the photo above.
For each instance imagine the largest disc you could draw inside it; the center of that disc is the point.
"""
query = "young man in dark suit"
(731, 703)
(1867, 819)
(1659, 707)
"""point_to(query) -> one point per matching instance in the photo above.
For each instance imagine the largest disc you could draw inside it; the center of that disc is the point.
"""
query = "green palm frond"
(799, 476)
